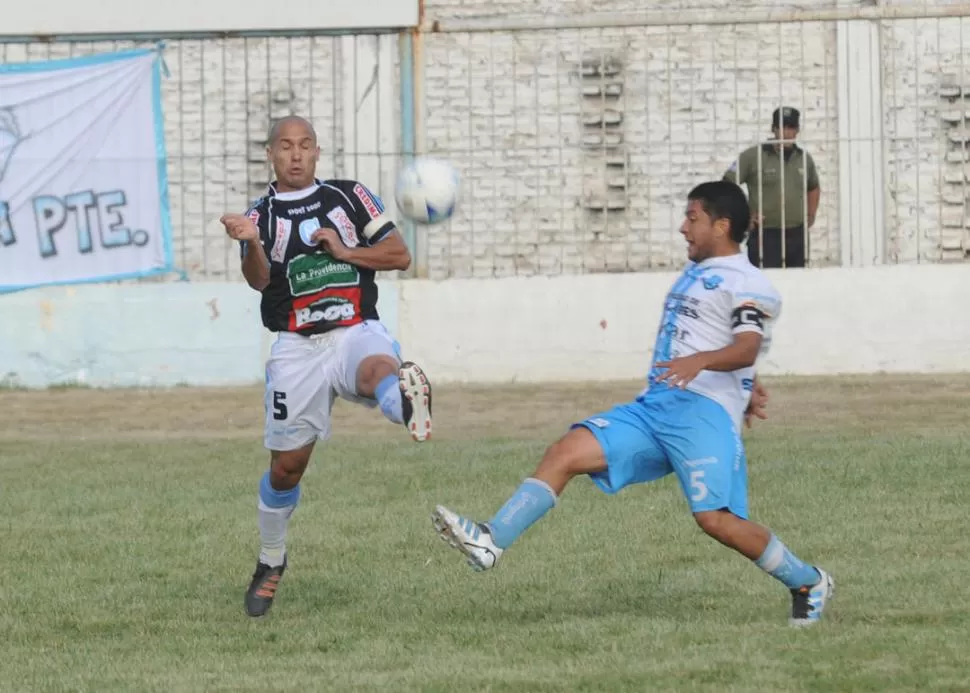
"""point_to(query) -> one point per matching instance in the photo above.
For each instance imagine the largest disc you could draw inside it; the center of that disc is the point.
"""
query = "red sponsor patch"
(254, 216)
(370, 204)
(340, 307)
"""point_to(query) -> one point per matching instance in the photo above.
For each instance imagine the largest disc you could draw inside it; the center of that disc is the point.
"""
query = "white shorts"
(305, 375)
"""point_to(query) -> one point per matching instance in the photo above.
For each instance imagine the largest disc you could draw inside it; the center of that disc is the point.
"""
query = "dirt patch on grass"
(877, 404)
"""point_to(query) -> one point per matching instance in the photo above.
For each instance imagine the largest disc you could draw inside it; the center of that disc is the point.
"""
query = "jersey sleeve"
(368, 215)
(257, 212)
(755, 304)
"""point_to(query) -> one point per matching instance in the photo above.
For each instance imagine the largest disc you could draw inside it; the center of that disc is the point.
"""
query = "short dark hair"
(722, 199)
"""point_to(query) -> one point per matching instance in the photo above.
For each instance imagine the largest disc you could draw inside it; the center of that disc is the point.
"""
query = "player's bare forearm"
(255, 266)
(391, 253)
(741, 353)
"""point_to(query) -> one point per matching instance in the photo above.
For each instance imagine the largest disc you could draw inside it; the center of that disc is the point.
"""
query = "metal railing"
(580, 137)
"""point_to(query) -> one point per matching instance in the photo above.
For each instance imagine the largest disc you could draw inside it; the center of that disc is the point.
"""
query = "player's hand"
(682, 370)
(330, 240)
(757, 405)
(240, 227)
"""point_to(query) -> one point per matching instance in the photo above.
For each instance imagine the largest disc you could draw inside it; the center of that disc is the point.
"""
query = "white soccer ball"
(427, 190)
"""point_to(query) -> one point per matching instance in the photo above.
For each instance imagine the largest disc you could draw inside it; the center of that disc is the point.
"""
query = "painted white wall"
(601, 327)
(142, 335)
(580, 328)
(54, 17)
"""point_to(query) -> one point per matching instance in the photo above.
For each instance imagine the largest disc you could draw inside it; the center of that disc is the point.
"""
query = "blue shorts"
(674, 431)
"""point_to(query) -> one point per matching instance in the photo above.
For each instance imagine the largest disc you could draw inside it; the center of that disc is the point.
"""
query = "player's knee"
(287, 468)
(714, 523)
(575, 453)
(556, 457)
(372, 370)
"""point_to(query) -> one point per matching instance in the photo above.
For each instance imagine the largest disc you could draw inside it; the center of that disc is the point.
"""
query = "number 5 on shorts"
(698, 489)
(279, 406)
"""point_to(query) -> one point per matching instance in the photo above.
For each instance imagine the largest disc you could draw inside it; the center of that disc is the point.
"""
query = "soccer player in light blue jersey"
(717, 321)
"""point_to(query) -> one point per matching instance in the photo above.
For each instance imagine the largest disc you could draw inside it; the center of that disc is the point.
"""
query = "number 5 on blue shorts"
(674, 431)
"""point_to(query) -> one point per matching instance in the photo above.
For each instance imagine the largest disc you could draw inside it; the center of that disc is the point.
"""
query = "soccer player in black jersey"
(311, 247)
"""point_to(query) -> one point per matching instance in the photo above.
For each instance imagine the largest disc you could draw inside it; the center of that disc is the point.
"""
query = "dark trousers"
(764, 247)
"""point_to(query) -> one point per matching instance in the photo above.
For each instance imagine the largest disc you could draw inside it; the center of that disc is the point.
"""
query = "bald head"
(294, 126)
(293, 152)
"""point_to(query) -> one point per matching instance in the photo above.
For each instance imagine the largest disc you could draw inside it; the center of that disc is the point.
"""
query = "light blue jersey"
(709, 304)
(694, 433)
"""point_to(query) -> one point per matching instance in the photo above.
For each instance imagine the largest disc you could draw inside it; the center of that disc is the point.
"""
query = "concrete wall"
(141, 335)
(591, 327)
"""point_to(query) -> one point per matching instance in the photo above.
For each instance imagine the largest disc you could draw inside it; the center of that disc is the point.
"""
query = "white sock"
(272, 533)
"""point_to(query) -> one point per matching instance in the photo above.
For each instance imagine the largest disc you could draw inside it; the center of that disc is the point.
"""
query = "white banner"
(83, 184)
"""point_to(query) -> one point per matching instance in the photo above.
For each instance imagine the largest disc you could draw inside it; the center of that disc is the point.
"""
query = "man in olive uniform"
(783, 192)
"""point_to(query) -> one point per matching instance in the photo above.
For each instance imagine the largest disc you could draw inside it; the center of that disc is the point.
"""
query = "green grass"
(129, 535)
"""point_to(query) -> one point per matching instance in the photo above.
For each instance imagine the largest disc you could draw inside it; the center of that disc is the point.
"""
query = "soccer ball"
(427, 190)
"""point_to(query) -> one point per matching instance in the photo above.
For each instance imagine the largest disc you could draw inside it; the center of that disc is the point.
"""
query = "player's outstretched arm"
(390, 253)
(255, 264)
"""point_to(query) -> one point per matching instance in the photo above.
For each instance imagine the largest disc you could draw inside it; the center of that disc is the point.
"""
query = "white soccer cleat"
(415, 400)
(808, 603)
(471, 538)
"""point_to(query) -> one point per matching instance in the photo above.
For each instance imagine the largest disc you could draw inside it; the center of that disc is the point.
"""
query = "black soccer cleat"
(415, 400)
(262, 589)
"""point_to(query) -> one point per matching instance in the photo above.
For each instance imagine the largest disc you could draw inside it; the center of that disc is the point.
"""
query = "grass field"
(129, 535)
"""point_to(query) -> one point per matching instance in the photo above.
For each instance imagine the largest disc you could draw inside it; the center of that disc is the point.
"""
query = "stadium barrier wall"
(903, 318)
(140, 335)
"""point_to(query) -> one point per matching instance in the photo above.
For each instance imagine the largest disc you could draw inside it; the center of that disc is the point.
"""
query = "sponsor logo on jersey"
(372, 203)
(337, 306)
(254, 216)
(599, 423)
(712, 282)
(283, 229)
(345, 227)
(310, 274)
(300, 211)
(307, 228)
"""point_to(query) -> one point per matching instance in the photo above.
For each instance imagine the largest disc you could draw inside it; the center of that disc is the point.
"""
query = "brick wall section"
(507, 108)
(927, 216)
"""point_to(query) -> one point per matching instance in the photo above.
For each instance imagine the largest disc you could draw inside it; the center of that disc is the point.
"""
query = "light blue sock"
(783, 565)
(388, 395)
(275, 510)
(528, 504)
(272, 498)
